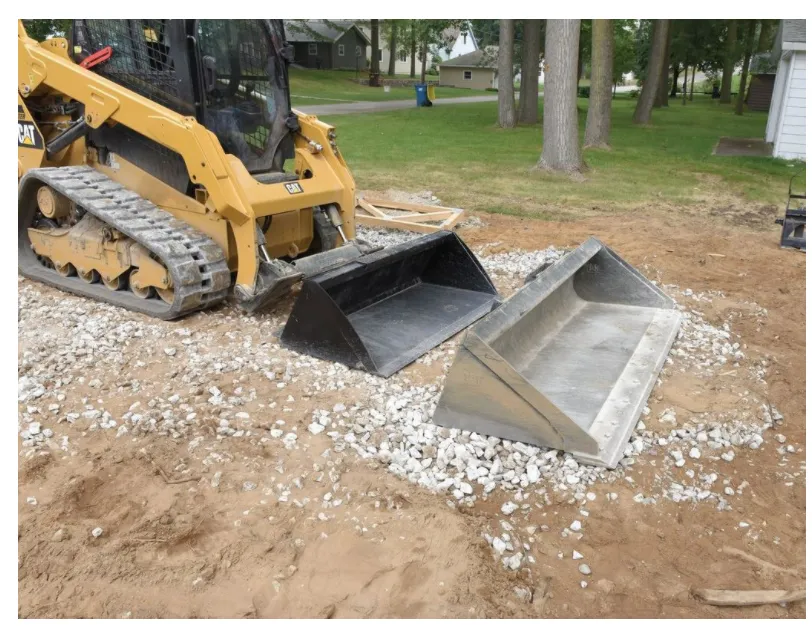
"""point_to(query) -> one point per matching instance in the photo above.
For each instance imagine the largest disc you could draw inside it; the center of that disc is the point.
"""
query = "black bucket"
(386, 309)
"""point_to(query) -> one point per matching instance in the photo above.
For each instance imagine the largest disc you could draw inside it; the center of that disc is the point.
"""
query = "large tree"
(661, 99)
(642, 112)
(393, 46)
(375, 64)
(598, 118)
(749, 42)
(504, 65)
(561, 151)
(731, 55)
(529, 87)
(412, 47)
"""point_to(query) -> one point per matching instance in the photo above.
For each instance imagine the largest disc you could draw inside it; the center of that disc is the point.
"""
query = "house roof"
(794, 31)
(319, 30)
(476, 59)
(452, 34)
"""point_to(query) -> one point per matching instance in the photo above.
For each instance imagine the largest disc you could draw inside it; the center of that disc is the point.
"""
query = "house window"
(341, 50)
(467, 74)
(312, 48)
(402, 55)
(380, 54)
(357, 51)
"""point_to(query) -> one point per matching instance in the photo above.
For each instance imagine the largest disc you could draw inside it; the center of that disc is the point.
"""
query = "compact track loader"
(160, 164)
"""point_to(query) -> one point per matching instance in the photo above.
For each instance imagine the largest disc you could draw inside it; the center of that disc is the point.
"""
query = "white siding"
(790, 136)
(777, 101)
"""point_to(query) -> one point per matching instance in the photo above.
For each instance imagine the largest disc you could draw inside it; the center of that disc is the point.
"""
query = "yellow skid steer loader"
(160, 164)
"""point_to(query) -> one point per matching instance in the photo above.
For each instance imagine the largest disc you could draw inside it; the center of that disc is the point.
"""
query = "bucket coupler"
(568, 362)
(385, 309)
(277, 277)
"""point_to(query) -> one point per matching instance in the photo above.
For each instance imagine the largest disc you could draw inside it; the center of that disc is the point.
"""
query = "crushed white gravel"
(71, 374)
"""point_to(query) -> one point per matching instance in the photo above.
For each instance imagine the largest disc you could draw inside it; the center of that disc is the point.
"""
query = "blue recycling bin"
(422, 94)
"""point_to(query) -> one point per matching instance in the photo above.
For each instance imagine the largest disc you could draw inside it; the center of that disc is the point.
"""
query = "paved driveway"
(360, 107)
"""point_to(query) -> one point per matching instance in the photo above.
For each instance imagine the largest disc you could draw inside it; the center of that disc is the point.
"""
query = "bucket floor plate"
(580, 365)
(415, 320)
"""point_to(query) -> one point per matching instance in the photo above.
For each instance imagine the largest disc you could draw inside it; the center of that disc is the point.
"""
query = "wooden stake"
(749, 597)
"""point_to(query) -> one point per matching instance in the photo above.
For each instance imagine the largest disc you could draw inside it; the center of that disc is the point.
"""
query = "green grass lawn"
(457, 152)
(321, 87)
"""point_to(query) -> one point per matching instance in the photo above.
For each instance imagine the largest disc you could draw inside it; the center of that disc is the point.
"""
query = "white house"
(786, 124)
(455, 42)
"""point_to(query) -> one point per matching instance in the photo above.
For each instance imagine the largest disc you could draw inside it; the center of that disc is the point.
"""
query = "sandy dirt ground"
(187, 530)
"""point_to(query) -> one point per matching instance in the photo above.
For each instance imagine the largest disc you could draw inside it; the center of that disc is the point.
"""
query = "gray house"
(327, 45)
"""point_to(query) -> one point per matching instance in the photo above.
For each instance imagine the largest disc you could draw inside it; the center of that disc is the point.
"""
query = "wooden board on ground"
(421, 218)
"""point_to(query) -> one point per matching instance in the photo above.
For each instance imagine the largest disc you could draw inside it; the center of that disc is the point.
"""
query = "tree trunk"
(748, 52)
(642, 112)
(685, 85)
(730, 59)
(599, 116)
(424, 52)
(375, 64)
(413, 51)
(764, 42)
(393, 47)
(675, 83)
(560, 151)
(693, 76)
(662, 93)
(529, 89)
(504, 63)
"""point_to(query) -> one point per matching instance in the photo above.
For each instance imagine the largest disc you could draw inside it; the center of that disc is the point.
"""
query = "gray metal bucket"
(568, 362)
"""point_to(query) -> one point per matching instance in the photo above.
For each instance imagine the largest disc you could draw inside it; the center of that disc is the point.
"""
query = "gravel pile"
(74, 375)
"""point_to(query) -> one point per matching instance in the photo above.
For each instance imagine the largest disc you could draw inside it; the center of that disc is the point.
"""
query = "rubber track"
(196, 264)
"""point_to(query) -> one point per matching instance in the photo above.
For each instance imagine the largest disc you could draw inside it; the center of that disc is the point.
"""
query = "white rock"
(170, 351)
(509, 507)
(584, 569)
(31, 500)
(514, 561)
(694, 453)
(97, 532)
(499, 545)
(728, 456)
(315, 428)
(577, 556)
(575, 526)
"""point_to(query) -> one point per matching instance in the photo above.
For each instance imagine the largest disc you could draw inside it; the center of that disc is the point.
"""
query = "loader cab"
(229, 74)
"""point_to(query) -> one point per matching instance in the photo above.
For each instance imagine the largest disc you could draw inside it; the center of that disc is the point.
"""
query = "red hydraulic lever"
(98, 57)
